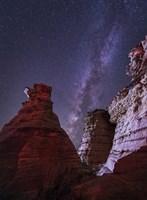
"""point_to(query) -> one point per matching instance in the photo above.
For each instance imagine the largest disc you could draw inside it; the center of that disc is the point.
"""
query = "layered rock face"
(97, 138)
(36, 155)
(128, 156)
(129, 109)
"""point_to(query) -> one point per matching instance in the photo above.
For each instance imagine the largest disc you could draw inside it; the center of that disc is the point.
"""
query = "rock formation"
(128, 156)
(128, 182)
(37, 157)
(129, 109)
(97, 138)
(39, 162)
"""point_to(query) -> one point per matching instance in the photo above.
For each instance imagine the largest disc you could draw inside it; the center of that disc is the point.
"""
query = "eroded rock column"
(97, 138)
(36, 155)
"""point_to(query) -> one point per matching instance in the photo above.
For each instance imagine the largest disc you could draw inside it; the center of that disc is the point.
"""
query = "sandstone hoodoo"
(36, 155)
(97, 138)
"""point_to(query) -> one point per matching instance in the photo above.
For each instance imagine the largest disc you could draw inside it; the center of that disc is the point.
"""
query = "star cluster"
(79, 48)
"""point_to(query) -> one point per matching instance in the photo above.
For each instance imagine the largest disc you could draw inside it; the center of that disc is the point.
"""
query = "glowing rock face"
(40, 91)
(129, 110)
(36, 153)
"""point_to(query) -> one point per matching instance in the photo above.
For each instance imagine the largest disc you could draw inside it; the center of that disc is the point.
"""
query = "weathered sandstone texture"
(97, 138)
(129, 110)
(37, 158)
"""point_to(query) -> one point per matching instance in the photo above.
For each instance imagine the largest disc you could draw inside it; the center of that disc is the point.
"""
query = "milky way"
(80, 48)
(105, 72)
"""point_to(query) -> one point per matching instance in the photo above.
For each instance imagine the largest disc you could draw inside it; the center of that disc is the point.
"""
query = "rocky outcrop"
(37, 157)
(129, 181)
(97, 138)
(128, 156)
(129, 110)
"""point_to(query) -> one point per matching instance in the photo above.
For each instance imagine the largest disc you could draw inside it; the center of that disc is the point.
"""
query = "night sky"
(79, 47)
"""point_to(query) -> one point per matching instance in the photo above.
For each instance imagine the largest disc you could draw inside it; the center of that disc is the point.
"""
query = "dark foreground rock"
(128, 182)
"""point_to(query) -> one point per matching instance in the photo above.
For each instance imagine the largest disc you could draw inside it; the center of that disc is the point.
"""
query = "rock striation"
(97, 138)
(37, 158)
(129, 109)
(128, 156)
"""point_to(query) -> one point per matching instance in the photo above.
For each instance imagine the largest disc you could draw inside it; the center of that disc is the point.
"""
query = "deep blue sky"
(79, 47)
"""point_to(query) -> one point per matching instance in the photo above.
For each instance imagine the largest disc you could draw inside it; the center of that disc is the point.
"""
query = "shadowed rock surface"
(37, 158)
(97, 138)
(128, 182)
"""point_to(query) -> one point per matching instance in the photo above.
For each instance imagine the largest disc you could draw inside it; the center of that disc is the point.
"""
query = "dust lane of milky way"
(79, 48)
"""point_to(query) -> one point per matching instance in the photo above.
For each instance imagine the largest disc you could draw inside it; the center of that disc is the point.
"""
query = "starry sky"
(79, 47)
